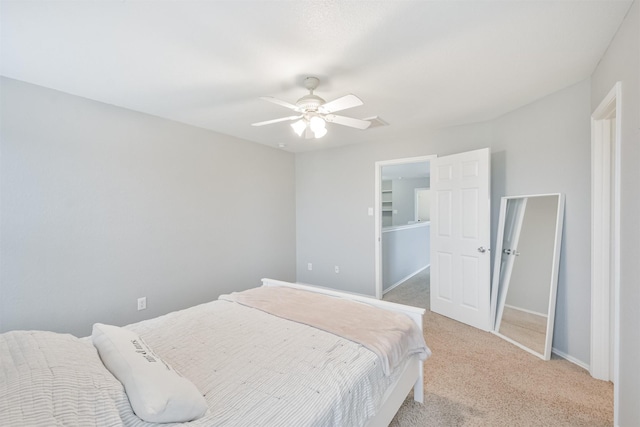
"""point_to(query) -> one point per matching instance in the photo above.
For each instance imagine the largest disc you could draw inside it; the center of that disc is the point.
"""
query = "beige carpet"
(475, 378)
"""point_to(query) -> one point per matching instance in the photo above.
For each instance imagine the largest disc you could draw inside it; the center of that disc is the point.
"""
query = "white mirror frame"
(497, 306)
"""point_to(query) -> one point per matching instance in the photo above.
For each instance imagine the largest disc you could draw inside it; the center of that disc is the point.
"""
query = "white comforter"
(391, 336)
(49, 379)
(254, 369)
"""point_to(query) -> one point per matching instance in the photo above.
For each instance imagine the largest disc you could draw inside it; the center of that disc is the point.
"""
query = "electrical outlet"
(142, 303)
(309, 266)
(337, 269)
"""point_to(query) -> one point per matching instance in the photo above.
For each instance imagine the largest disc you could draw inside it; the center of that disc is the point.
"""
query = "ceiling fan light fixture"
(320, 132)
(316, 123)
(299, 127)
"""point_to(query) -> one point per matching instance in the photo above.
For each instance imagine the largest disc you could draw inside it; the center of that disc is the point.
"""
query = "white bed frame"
(413, 375)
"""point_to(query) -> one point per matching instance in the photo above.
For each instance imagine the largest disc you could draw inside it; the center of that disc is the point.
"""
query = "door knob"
(482, 249)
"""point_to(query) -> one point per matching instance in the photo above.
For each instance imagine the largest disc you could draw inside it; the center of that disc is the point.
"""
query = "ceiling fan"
(315, 112)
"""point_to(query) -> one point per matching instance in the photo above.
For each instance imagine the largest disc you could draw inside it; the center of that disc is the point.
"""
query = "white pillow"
(157, 392)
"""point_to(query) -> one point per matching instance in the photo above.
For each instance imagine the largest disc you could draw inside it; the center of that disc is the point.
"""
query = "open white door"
(460, 228)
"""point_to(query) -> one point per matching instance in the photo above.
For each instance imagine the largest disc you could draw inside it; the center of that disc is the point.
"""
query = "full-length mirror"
(525, 274)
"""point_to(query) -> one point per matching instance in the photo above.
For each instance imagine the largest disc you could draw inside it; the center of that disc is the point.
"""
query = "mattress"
(253, 368)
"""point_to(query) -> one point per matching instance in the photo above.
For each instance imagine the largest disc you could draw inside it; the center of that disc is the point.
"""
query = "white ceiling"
(418, 65)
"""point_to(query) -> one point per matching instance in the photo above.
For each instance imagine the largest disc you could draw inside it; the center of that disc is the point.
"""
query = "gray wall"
(543, 147)
(404, 199)
(621, 63)
(405, 251)
(102, 205)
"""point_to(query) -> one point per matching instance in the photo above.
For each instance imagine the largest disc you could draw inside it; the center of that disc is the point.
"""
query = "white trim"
(378, 212)
(605, 242)
(571, 359)
(605, 246)
(401, 281)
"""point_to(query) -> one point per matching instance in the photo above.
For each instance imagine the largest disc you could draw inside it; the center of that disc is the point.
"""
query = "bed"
(251, 366)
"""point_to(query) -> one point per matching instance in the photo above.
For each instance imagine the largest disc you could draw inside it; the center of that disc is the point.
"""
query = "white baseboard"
(405, 279)
(570, 358)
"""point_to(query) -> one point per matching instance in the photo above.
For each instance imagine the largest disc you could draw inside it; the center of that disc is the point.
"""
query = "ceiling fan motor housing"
(309, 102)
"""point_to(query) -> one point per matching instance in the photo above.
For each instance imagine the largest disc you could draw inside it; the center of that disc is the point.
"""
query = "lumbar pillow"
(157, 392)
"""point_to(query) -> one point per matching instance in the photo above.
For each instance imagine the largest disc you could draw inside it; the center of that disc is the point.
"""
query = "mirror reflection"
(527, 261)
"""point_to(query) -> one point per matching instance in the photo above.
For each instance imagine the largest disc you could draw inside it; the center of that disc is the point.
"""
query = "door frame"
(378, 211)
(605, 239)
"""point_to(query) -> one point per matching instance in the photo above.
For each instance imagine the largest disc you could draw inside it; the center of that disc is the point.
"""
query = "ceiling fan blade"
(342, 103)
(347, 121)
(283, 119)
(280, 102)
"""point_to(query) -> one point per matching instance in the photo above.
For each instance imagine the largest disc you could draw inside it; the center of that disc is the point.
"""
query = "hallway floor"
(414, 291)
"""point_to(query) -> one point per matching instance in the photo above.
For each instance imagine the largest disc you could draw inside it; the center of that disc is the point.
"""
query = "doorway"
(402, 233)
(459, 285)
